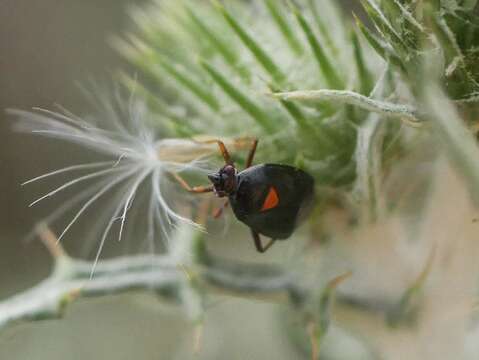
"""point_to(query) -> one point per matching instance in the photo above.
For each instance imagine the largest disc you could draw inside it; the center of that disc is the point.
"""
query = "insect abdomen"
(270, 198)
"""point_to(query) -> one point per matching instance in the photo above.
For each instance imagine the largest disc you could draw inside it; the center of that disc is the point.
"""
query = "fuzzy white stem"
(349, 97)
(162, 273)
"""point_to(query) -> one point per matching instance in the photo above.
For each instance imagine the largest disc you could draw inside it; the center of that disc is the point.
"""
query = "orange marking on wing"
(271, 200)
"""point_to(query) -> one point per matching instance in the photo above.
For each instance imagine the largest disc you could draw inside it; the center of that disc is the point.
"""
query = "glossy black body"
(295, 189)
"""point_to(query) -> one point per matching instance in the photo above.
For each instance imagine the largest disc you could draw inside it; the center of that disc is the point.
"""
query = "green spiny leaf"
(325, 65)
(408, 16)
(392, 12)
(303, 123)
(383, 25)
(177, 124)
(446, 37)
(241, 99)
(460, 80)
(258, 52)
(383, 50)
(284, 26)
(322, 28)
(223, 48)
(192, 85)
(366, 82)
(296, 114)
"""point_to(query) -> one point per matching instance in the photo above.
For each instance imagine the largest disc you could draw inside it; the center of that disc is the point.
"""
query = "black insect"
(271, 199)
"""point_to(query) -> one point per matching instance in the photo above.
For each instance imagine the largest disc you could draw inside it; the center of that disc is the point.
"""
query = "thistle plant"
(370, 111)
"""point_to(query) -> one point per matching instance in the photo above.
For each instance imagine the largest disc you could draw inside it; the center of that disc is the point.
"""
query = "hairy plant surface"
(371, 112)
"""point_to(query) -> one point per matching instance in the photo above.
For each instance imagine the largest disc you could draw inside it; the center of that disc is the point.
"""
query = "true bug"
(270, 198)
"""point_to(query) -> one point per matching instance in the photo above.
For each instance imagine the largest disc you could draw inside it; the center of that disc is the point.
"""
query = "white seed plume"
(138, 160)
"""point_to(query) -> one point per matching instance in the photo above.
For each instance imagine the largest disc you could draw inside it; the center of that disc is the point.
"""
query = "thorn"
(50, 240)
(74, 294)
(334, 283)
(427, 268)
(187, 273)
(67, 299)
(409, 303)
(313, 339)
(271, 94)
(197, 338)
(277, 95)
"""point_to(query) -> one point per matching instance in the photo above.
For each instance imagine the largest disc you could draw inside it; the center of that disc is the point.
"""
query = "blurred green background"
(46, 48)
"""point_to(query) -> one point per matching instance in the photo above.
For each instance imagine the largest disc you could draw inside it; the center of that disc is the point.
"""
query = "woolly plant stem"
(164, 274)
(384, 108)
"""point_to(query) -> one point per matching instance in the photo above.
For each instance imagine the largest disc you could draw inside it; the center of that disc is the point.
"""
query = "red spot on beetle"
(271, 200)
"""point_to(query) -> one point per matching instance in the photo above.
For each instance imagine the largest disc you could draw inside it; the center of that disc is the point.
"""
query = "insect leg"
(187, 187)
(252, 151)
(217, 213)
(222, 147)
(258, 244)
